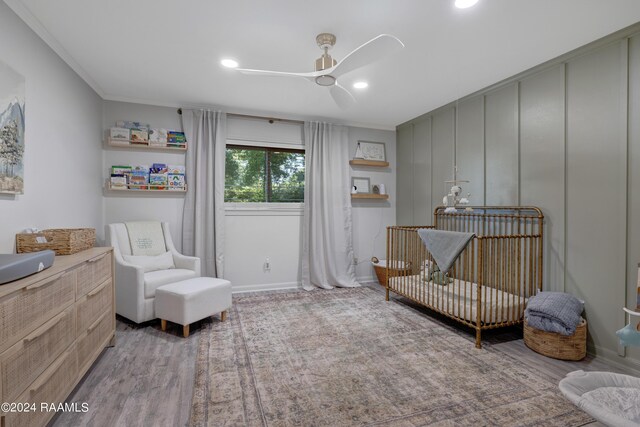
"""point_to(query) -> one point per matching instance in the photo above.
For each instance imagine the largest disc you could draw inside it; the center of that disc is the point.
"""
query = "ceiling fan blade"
(376, 48)
(309, 76)
(342, 96)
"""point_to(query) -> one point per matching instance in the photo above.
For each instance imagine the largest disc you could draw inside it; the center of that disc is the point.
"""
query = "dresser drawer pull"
(92, 260)
(95, 292)
(44, 282)
(43, 381)
(95, 325)
(60, 316)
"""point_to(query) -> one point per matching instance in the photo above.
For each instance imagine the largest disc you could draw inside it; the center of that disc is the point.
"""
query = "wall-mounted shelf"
(374, 163)
(143, 146)
(136, 189)
(370, 196)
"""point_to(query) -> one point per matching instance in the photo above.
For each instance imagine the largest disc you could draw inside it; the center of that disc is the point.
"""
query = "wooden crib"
(490, 282)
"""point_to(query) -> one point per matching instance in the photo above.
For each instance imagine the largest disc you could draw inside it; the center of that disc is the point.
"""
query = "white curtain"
(327, 244)
(203, 220)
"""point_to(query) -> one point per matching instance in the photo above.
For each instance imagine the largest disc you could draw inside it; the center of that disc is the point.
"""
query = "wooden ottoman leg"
(163, 324)
(185, 331)
(223, 316)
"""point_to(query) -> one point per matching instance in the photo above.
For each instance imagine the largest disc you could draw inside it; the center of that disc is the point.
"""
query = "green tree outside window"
(260, 174)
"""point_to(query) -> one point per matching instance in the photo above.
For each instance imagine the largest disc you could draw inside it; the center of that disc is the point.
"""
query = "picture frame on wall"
(361, 184)
(373, 150)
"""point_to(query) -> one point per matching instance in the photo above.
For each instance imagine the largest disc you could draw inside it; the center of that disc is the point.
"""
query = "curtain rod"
(270, 119)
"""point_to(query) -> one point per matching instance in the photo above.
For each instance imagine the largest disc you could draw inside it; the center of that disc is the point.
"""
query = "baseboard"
(366, 279)
(612, 358)
(239, 289)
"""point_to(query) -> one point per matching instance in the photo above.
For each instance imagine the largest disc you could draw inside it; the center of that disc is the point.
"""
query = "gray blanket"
(554, 312)
(445, 246)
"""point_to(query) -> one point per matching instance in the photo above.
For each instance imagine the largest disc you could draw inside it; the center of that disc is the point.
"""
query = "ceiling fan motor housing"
(325, 41)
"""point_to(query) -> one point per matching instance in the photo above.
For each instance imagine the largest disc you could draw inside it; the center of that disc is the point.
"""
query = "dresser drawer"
(24, 362)
(25, 309)
(93, 304)
(92, 273)
(51, 387)
(92, 342)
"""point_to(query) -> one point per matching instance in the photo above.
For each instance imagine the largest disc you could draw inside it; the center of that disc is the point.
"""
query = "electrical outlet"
(267, 265)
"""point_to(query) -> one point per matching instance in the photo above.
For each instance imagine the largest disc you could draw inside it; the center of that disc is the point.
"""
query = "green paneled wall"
(564, 136)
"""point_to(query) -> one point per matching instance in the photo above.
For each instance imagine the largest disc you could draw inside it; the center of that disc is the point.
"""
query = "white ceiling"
(167, 52)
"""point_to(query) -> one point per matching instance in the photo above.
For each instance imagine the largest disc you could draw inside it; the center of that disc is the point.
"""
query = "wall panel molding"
(564, 136)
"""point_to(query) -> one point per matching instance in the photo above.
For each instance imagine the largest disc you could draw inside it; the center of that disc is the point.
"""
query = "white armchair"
(135, 289)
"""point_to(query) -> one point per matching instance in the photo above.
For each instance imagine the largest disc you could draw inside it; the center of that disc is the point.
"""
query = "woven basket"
(563, 347)
(63, 241)
(381, 271)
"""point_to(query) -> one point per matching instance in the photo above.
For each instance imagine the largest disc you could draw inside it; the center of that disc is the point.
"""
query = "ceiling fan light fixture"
(464, 4)
(361, 85)
(229, 63)
(326, 80)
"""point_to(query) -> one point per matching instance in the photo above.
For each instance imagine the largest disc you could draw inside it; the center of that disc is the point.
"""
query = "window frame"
(268, 204)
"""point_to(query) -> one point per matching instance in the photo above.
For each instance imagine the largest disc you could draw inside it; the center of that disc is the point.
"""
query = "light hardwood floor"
(147, 378)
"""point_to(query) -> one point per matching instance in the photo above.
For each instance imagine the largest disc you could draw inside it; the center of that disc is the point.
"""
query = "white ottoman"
(191, 300)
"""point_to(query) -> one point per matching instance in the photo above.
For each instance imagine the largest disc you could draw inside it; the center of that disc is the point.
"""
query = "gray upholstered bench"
(191, 300)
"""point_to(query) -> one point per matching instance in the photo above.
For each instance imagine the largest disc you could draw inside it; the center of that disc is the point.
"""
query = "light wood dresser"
(53, 326)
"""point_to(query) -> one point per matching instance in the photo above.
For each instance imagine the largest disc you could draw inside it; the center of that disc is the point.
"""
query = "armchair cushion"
(155, 279)
(152, 263)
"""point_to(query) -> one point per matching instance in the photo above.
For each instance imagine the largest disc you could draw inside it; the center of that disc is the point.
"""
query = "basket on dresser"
(63, 241)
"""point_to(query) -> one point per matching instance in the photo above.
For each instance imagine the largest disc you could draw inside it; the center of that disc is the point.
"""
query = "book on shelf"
(139, 136)
(176, 169)
(158, 137)
(176, 181)
(138, 180)
(140, 168)
(119, 135)
(132, 125)
(118, 182)
(120, 170)
(158, 181)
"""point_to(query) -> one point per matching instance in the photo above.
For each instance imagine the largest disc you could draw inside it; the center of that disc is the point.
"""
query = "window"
(264, 174)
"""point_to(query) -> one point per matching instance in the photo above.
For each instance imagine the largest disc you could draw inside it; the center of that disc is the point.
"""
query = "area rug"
(346, 357)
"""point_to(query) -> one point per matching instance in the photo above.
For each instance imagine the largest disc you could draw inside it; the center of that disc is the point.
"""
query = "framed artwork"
(362, 185)
(373, 150)
(11, 131)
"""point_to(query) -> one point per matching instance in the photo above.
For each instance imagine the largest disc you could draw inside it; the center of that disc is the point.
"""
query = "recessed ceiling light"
(229, 63)
(360, 85)
(463, 4)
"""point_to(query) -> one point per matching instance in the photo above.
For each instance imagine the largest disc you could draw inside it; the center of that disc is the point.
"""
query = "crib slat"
(504, 263)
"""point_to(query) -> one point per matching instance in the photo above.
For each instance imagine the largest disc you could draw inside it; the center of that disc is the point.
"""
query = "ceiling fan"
(328, 71)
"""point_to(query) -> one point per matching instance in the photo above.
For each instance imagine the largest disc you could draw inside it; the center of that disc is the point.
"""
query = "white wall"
(252, 233)
(371, 217)
(62, 160)
(124, 206)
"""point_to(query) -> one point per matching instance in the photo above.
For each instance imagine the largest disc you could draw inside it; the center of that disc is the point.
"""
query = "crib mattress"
(497, 306)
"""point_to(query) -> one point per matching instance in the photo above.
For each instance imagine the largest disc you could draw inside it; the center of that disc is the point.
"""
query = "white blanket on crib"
(496, 305)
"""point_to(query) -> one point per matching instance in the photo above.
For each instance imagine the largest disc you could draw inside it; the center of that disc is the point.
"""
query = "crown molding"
(20, 9)
(240, 110)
